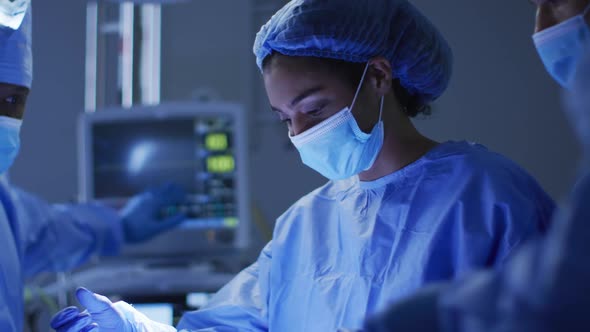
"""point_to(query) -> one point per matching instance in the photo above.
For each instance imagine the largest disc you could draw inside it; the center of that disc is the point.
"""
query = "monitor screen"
(128, 152)
(196, 153)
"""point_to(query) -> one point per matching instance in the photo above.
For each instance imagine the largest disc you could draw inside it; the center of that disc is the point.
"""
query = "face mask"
(9, 141)
(12, 12)
(562, 46)
(337, 148)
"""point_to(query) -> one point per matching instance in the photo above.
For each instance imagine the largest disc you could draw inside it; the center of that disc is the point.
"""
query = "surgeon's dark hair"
(352, 72)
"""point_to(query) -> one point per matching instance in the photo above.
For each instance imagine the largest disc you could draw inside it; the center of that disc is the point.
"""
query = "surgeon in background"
(546, 286)
(400, 210)
(36, 236)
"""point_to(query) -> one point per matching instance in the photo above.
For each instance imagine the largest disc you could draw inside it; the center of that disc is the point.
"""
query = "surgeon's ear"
(380, 75)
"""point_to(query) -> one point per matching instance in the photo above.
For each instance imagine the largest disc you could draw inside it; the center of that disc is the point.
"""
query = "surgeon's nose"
(299, 125)
(545, 17)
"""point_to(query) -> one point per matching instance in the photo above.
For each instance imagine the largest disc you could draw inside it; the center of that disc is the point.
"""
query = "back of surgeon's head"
(16, 68)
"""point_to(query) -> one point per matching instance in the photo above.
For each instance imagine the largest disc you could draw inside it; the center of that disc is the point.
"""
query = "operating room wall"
(499, 95)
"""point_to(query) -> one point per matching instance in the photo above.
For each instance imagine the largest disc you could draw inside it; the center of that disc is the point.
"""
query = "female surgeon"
(400, 210)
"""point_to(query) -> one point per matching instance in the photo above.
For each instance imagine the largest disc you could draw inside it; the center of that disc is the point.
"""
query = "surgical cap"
(356, 31)
(16, 58)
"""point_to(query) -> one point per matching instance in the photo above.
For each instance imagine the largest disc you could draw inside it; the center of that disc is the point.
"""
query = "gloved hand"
(142, 216)
(104, 316)
(71, 319)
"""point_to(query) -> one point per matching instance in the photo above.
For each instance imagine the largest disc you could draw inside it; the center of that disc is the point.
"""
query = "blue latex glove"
(142, 216)
(104, 316)
(71, 319)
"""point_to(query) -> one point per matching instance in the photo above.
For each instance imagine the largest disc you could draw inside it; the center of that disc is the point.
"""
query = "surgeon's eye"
(315, 112)
(13, 100)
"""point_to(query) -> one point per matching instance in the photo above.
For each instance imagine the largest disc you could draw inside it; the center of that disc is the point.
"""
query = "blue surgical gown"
(349, 248)
(546, 286)
(37, 237)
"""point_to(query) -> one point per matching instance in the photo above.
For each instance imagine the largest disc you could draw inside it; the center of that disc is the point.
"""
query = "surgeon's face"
(13, 99)
(303, 94)
(553, 12)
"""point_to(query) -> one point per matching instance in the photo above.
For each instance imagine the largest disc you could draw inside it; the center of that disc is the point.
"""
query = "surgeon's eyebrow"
(306, 94)
(300, 97)
(22, 90)
(22, 94)
(9, 90)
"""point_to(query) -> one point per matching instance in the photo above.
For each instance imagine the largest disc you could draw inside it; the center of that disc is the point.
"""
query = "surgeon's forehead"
(5, 87)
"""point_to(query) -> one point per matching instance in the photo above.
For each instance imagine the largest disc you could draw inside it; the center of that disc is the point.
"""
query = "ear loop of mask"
(381, 107)
(358, 90)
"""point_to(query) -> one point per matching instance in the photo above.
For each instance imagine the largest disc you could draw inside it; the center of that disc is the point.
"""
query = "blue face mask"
(9, 141)
(12, 12)
(337, 148)
(561, 47)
